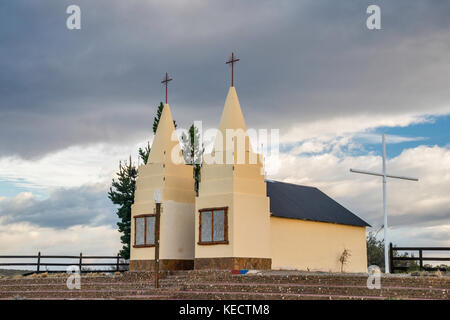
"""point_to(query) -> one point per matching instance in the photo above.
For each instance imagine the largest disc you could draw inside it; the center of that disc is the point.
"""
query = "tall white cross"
(384, 175)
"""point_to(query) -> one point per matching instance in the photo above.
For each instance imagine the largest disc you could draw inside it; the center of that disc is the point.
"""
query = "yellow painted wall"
(251, 226)
(316, 246)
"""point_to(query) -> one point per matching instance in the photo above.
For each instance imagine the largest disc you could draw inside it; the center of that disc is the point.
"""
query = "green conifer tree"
(121, 193)
(193, 152)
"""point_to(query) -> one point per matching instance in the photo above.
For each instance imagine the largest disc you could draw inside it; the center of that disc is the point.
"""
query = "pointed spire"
(165, 139)
(232, 119)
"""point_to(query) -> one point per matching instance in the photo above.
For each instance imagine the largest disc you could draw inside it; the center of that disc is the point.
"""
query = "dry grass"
(9, 273)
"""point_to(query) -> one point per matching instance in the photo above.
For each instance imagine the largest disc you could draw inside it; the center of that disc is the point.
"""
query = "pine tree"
(121, 193)
(193, 152)
(144, 153)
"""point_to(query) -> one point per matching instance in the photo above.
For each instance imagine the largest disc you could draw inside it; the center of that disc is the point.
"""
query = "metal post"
(117, 266)
(420, 259)
(38, 262)
(80, 263)
(157, 221)
(386, 241)
(391, 257)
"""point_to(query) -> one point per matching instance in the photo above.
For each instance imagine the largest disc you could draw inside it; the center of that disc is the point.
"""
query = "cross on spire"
(166, 82)
(232, 60)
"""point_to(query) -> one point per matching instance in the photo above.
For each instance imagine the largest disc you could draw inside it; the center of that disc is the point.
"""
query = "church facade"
(239, 220)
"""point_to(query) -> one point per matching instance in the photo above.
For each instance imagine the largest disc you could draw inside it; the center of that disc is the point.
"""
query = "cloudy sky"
(73, 103)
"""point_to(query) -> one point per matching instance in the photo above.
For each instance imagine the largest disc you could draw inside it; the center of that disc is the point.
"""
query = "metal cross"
(166, 82)
(384, 175)
(232, 60)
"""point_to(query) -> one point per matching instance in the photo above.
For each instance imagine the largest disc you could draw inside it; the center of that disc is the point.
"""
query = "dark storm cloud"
(86, 205)
(300, 61)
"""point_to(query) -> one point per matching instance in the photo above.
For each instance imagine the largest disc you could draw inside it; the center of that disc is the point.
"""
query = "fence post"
(117, 266)
(420, 259)
(391, 258)
(80, 264)
(38, 262)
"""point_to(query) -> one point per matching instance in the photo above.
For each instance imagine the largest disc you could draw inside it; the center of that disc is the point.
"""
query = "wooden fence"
(419, 258)
(117, 266)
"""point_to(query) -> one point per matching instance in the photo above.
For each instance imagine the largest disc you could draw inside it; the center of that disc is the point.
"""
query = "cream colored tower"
(164, 171)
(232, 185)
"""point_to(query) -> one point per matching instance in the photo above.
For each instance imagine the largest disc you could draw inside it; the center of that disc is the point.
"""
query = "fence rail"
(117, 266)
(420, 258)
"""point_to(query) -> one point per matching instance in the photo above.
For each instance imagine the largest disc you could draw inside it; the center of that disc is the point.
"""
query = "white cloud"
(24, 238)
(312, 146)
(64, 207)
(437, 236)
(341, 126)
(71, 167)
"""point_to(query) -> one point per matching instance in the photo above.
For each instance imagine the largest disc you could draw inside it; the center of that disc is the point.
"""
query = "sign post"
(157, 227)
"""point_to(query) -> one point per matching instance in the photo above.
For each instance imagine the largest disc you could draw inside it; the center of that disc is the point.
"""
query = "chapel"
(239, 219)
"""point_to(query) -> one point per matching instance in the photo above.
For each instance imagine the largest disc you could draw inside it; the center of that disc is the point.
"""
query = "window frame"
(212, 242)
(145, 245)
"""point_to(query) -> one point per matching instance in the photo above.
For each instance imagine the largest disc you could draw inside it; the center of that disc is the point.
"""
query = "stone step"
(318, 289)
(245, 280)
(400, 282)
(224, 285)
(167, 295)
(60, 279)
(218, 292)
(145, 297)
(80, 294)
(63, 286)
(217, 295)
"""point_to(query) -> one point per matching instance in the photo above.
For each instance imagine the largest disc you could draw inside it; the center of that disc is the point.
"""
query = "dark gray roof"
(308, 203)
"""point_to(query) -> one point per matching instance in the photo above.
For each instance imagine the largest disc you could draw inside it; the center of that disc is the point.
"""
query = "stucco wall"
(316, 246)
(251, 226)
(177, 231)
